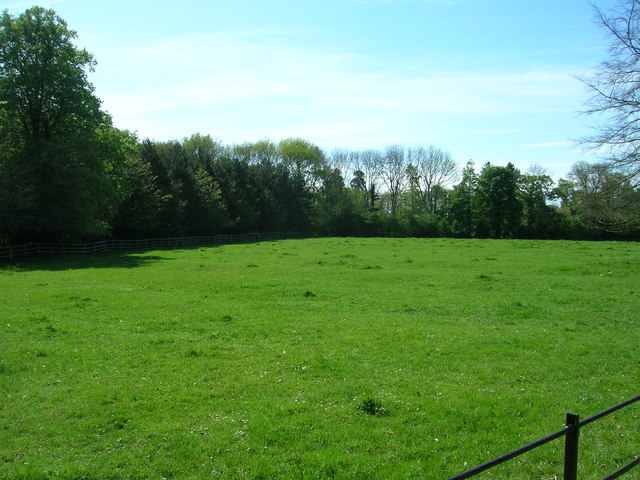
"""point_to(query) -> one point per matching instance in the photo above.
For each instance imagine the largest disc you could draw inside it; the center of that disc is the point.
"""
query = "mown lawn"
(323, 358)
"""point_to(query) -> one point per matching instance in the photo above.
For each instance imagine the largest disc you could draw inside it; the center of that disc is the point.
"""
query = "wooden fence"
(31, 249)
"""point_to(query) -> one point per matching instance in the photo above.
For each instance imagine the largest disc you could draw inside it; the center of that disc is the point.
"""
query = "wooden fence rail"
(31, 249)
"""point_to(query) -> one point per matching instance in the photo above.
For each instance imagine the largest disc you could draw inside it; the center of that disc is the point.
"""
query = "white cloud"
(251, 85)
(558, 144)
(399, 2)
(19, 7)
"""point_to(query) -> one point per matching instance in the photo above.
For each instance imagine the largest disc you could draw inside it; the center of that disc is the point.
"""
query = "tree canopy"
(54, 183)
(66, 173)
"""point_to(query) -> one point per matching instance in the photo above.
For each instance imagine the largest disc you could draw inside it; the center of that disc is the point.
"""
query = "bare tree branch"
(615, 91)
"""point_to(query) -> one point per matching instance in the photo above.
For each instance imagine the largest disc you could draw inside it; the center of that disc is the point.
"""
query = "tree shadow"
(78, 262)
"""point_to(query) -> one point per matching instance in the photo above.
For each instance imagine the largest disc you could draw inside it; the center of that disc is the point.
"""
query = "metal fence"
(570, 432)
(30, 249)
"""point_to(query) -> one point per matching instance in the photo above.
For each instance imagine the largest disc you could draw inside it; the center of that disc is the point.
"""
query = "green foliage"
(177, 364)
(358, 181)
(67, 174)
(261, 152)
(202, 151)
(170, 167)
(209, 212)
(464, 210)
(535, 189)
(43, 82)
(371, 406)
(142, 201)
(303, 158)
(56, 186)
(499, 208)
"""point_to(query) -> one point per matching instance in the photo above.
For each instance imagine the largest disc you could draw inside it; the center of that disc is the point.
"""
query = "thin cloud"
(400, 2)
(493, 132)
(247, 81)
(19, 7)
(558, 144)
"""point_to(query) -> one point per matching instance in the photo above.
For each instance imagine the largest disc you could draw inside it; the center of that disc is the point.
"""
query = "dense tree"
(202, 150)
(261, 152)
(305, 160)
(412, 198)
(563, 191)
(54, 182)
(207, 214)
(536, 190)
(330, 203)
(463, 203)
(358, 181)
(237, 187)
(499, 207)
(272, 186)
(142, 202)
(167, 161)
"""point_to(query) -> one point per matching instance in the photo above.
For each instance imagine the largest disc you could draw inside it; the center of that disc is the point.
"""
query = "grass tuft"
(373, 407)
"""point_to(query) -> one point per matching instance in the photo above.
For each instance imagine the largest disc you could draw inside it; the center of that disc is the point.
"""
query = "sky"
(486, 80)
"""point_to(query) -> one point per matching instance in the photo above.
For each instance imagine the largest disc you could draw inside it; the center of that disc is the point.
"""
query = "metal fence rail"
(571, 432)
(30, 249)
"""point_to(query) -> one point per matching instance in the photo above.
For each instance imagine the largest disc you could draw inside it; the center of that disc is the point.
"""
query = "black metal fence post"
(571, 447)
(570, 432)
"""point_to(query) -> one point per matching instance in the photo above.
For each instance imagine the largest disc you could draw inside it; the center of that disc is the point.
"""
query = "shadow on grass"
(76, 262)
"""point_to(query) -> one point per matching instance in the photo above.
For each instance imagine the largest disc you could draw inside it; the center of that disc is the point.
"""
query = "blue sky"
(488, 80)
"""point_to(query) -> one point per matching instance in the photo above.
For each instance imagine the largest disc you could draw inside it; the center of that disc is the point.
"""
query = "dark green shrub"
(371, 406)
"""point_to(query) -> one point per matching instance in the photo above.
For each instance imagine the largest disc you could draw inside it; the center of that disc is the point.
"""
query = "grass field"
(322, 358)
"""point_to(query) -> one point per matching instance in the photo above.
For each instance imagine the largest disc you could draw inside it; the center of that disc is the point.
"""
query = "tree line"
(67, 174)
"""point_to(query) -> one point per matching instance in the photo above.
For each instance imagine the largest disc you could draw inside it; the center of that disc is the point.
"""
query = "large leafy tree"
(535, 188)
(499, 207)
(259, 153)
(140, 200)
(305, 161)
(464, 203)
(202, 150)
(54, 181)
(308, 169)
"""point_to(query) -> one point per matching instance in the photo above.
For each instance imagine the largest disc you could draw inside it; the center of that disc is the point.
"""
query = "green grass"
(326, 358)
